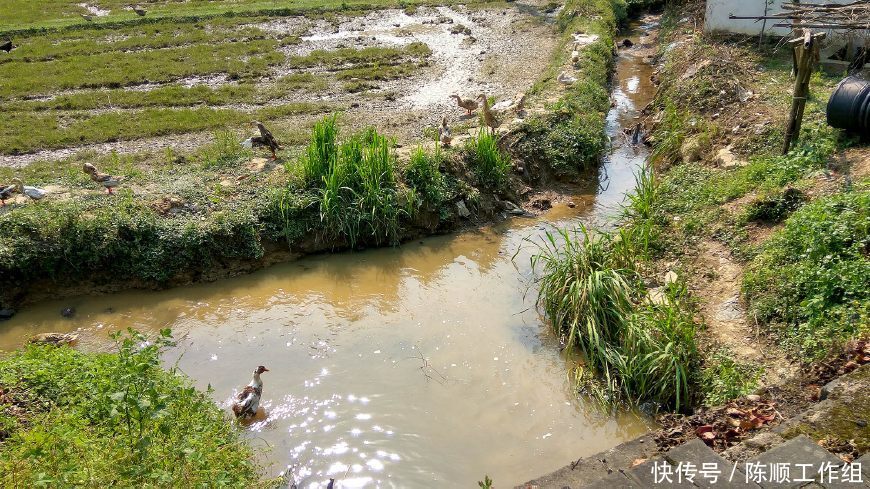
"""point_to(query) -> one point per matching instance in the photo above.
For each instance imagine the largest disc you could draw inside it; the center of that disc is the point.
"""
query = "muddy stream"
(419, 366)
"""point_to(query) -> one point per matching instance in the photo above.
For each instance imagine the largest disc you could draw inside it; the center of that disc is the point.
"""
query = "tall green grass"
(356, 183)
(593, 294)
(489, 164)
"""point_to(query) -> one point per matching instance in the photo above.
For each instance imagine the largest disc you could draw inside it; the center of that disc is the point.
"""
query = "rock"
(753, 397)
(656, 296)
(542, 204)
(571, 204)
(691, 149)
(764, 441)
(670, 277)
(726, 159)
(68, 312)
(55, 338)
(462, 210)
(626, 43)
(6, 314)
(512, 208)
(828, 388)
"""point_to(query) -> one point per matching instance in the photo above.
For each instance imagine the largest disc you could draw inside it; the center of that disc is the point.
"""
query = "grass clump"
(356, 182)
(489, 164)
(119, 419)
(424, 175)
(810, 279)
(724, 378)
(635, 351)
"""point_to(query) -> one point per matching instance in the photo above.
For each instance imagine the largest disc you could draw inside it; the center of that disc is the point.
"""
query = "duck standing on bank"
(104, 179)
(488, 117)
(264, 139)
(33, 193)
(247, 403)
(467, 104)
(6, 191)
(444, 133)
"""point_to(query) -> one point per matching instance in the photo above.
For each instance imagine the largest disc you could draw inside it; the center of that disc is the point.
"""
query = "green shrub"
(811, 278)
(100, 420)
(634, 351)
(424, 175)
(724, 379)
(489, 165)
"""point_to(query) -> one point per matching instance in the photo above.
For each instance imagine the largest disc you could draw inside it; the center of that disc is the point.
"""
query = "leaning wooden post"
(806, 52)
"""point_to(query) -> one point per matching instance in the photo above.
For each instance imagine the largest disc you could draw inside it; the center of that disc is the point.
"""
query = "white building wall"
(716, 19)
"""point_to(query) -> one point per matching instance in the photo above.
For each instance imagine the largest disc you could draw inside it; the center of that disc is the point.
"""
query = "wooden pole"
(806, 52)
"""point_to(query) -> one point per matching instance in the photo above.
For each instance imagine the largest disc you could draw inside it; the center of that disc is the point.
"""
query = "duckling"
(89, 18)
(104, 179)
(265, 139)
(6, 191)
(488, 117)
(248, 401)
(566, 78)
(467, 104)
(6, 46)
(444, 133)
(139, 10)
(33, 192)
(56, 339)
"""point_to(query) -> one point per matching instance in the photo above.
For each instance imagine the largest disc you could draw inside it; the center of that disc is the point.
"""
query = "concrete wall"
(716, 18)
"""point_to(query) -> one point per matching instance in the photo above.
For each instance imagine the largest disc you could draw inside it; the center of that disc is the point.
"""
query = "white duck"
(247, 402)
(33, 192)
(566, 78)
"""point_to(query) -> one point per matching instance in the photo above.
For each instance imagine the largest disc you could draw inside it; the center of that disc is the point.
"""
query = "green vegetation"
(91, 419)
(810, 279)
(487, 161)
(635, 349)
(570, 138)
(724, 378)
(424, 175)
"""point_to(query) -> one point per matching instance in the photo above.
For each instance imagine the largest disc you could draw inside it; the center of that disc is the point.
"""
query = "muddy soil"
(499, 52)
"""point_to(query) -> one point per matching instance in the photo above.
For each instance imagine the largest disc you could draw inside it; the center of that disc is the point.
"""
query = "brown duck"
(264, 139)
(467, 104)
(104, 179)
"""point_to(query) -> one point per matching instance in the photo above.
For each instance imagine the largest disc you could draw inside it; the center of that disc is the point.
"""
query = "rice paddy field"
(118, 81)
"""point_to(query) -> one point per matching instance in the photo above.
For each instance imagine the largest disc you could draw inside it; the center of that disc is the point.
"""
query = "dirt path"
(717, 286)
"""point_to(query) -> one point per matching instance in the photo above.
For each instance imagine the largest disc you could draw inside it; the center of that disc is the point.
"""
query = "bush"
(424, 175)
(811, 278)
(725, 379)
(490, 166)
(636, 351)
(102, 420)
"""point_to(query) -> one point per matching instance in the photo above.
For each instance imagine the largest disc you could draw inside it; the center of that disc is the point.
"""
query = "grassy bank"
(635, 301)
(90, 419)
(215, 212)
(569, 137)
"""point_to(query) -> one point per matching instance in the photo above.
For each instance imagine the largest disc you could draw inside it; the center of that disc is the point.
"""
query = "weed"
(424, 175)
(487, 161)
(725, 379)
(810, 279)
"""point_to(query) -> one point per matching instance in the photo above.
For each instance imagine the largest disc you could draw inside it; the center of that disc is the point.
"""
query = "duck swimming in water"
(247, 403)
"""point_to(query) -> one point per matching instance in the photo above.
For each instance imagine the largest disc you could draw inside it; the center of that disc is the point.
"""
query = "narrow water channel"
(426, 365)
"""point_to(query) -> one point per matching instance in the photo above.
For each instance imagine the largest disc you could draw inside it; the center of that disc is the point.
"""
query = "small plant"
(223, 152)
(724, 379)
(423, 174)
(488, 163)
(486, 483)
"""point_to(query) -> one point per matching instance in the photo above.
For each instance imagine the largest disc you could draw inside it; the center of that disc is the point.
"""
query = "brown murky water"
(426, 365)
